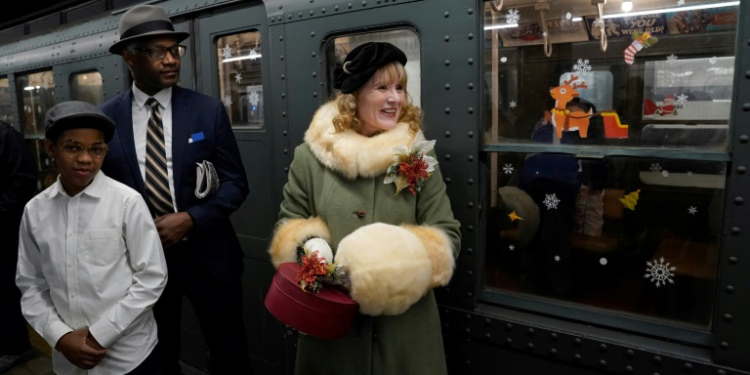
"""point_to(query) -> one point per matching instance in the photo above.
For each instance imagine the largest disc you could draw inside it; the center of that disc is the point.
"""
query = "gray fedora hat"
(144, 21)
(74, 114)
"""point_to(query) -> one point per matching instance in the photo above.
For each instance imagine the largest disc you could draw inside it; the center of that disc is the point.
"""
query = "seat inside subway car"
(593, 151)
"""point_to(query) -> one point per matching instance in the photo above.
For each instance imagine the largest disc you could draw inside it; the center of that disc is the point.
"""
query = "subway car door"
(232, 66)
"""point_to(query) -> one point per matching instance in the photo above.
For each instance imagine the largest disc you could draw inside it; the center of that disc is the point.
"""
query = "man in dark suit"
(163, 130)
(17, 186)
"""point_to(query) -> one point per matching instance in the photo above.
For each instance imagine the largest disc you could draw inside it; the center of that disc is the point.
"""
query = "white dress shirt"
(92, 260)
(141, 113)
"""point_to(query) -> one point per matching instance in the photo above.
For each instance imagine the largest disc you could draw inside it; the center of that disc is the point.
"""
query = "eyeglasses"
(73, 149)
(158, 53)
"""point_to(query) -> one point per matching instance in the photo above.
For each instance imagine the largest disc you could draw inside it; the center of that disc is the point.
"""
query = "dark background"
(19, 11)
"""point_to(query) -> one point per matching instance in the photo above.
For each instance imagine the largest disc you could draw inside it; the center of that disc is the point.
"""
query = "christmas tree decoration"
(631, 200)
(640, 41)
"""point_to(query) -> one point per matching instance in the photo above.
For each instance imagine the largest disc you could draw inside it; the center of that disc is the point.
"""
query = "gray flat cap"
(76, 114)
(144, 21)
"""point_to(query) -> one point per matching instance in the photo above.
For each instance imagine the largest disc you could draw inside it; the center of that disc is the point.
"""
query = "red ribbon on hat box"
(325, 314)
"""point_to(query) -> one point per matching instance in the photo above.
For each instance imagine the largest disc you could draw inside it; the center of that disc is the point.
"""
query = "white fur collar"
(349, 152)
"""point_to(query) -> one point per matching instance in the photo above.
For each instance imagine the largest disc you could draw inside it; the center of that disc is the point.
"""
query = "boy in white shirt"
(90, 262)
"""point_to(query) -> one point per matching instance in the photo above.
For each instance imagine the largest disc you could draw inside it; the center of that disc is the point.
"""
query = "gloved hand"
(320, 246)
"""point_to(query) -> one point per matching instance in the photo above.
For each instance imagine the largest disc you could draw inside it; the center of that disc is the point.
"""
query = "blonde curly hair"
(347, 103)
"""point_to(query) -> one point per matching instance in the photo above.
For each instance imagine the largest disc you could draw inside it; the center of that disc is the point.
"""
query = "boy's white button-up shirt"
(92, 260)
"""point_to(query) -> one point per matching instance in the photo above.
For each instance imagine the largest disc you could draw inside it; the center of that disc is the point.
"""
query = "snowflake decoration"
(655, 167)
(568, 16)
(680, 3)
(238, 77)
(682, 99)
(551, 201)
(557, 258)
(253, 54)
(512, 16)
(713, 60)
(513, 104)
(693, 210)
(660, 272)
(511, 247)
(671, 59)
(227, 52)
(597, 22)
(253, 98)
(227, 100)
(508, 168)
(45, 84)
(582, 66)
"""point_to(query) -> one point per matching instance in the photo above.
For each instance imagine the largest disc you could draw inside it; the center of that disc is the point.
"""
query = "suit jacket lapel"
(125, 116)
(180, 131)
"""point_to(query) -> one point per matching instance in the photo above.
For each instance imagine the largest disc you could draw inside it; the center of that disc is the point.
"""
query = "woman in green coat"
(366, 182)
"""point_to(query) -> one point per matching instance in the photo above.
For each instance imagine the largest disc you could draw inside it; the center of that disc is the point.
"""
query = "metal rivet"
(508, 326)
(487, 321)
(733, 260)
(471, 273)
(323, 10)
(553, 351)
(283, 95)
(747, 74)
(553, 336)
(312, 33)
(741, 169)
(577, 341)
(314, 74)
(630, 353)
(602, 363)
(744, 138)
(312, 53)
(447, 110)
(447, 156)
(281, 38)
(688, 367)
(447, 62)
(530, 346)
(721, 372)
(470, 134)
(283, 114)
(470, 294)
(315, 95)
(729, 289)
(471, 86)
(577, 357)
(447, 38)
(447, 86)
(746, 106)
(470, 36)
(487, 336)
(470, 10)
(509, 341)
(724, 345)
(657, 359)
(447, 180)
(336, 8)
(364, 3)
(471, 109)
(286, 151)
(629, 369)
(468, 330)
(735, 230)
(471, 61)
(530, 331)
(300, 14)
(728, 317)
(286, 169)
(311, 12)
(471, 157)
(738, 200)
(350, 5)
(281, 57)
(447, 134)
(603, 347)
(470, 228)
(446, 14)
(470, 181)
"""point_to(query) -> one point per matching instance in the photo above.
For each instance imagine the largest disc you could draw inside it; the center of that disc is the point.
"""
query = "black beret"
(76, 114)
(362, 63)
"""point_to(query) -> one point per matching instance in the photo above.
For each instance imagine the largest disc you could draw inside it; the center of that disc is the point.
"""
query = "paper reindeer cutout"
(562, 118)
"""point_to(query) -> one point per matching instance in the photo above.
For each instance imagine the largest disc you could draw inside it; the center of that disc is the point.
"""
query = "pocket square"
(196, 137)
(207, 180)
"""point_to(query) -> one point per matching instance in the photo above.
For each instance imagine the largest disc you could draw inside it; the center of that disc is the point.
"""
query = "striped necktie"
(157, 177)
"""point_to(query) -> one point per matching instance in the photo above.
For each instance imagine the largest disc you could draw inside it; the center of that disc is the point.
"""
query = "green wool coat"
(336, 187)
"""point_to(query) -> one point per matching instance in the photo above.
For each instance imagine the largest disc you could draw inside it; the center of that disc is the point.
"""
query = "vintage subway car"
(595, 153)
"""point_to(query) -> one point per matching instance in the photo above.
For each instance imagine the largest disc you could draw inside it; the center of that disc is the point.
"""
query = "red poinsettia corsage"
(313, 269)
(412, 165)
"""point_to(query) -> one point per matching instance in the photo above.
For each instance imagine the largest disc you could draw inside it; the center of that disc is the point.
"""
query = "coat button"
(360, 214)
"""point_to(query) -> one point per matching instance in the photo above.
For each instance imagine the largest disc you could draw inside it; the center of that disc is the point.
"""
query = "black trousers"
(14, 338)
(218, 307)
(150, 366)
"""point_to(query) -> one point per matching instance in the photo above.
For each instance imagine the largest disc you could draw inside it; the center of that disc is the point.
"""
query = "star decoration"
(692, 210)
(253, 54)
(227, 52)
(513, 104)
(227, 100)
(511, 247)
(557, 258)
(682, 99)
(513, 216)
(238, 77)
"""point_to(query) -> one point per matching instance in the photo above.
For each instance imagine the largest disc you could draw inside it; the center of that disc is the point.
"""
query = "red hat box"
(325, 314)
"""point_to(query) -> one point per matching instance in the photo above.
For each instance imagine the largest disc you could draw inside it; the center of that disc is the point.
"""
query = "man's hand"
(173, 227)
(74, 346)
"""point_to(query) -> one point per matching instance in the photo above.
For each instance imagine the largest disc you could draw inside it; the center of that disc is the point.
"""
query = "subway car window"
(337, 48)
(36, 94)
(6, 112)
(595, 200)
(241, 78)
(87, 87)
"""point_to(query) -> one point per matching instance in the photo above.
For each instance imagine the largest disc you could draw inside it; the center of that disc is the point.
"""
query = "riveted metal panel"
(282, 11)
(108, 66)
(732, 313)
(449, 56)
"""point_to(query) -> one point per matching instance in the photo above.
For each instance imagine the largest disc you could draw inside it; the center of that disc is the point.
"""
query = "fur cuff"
(440, 251)
(388, 267)
(291, 233)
